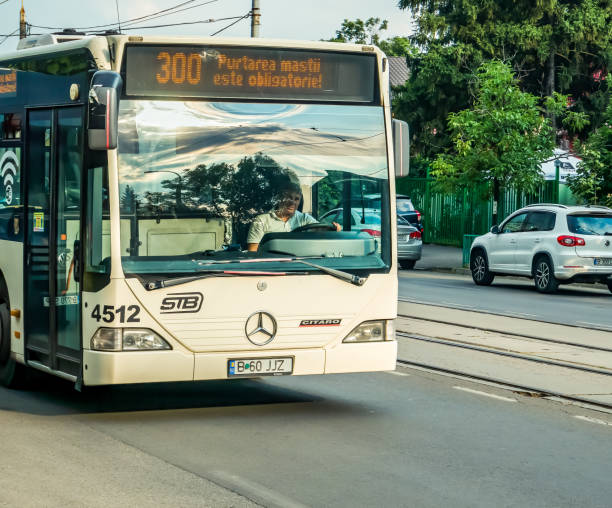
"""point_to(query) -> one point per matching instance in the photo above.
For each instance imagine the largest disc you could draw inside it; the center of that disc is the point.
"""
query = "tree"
(361, 32)
(129, 200)
(438, 84)
(502, 139)
(593, 180)
(368, 32)
(554, 46)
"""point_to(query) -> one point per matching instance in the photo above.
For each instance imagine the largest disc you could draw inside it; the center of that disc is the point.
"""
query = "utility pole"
(255, 19)
(22, 22)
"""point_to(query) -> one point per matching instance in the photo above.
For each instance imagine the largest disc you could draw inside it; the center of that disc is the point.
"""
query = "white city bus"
(131, 170)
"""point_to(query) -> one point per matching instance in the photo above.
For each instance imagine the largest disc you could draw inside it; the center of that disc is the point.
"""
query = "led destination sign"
(8, 83)
(241, 73)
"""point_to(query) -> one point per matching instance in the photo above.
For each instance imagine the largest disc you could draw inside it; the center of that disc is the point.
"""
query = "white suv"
(553, 244)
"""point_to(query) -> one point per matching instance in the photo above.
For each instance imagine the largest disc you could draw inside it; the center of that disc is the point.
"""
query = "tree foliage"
(360, 31)
(553, 45)
(501, 139)
(369, 32)
(593, 180)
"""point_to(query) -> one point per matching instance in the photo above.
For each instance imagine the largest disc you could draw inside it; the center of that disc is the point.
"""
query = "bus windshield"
(208, 182)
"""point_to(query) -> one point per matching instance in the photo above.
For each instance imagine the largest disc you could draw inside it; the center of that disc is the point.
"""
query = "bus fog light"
(140, 339)
(106, 339)
(370, 331)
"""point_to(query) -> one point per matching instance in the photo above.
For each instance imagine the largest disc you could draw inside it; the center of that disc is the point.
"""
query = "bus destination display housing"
(248, 72)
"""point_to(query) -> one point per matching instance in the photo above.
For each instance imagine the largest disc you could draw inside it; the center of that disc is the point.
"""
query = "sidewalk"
(444, 258)
(441, 258)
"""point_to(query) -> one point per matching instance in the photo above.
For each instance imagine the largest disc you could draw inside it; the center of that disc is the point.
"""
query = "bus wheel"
(11, 373)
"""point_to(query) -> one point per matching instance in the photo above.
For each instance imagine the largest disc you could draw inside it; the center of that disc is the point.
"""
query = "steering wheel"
(315, 226)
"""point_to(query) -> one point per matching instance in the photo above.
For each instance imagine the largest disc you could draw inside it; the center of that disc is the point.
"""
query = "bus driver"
(284, 217)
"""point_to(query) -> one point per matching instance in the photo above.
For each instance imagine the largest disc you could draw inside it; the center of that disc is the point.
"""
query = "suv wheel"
(480, 269)
(544, 275)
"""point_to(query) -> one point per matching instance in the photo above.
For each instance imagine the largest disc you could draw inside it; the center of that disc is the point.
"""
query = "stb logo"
(175, 303)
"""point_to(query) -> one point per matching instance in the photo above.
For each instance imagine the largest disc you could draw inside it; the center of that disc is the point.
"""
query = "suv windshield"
(590, 224)
(203, 182)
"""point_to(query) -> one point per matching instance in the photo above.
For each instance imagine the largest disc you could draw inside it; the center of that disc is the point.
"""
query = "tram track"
(508, 354)
(510, 333)
(527, 357)
(458, 307)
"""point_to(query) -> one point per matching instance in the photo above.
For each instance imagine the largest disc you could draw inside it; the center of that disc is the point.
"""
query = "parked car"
(403, 204)
(407, 211)
(409, 241)
(552, 244)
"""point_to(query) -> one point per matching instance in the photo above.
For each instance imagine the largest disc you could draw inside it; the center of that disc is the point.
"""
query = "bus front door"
(52, 291)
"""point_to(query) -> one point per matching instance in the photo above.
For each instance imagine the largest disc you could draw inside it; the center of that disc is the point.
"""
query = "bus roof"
(99, 44)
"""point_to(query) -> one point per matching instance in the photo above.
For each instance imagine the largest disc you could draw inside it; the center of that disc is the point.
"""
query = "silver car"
(409, 241)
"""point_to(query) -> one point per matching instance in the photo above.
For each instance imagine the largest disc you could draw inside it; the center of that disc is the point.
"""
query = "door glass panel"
(39, 182)
(515, 224)
(69, 167)
(540, 221)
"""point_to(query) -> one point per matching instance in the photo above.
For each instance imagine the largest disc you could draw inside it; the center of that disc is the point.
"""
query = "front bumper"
(108, 368)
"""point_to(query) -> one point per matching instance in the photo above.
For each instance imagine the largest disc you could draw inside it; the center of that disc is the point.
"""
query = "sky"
(280, 19)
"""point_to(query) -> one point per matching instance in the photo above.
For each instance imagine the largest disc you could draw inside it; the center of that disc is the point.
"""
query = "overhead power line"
(231, 24)
(153, 15)
(184, 23)
(6, 36)
(211, 20)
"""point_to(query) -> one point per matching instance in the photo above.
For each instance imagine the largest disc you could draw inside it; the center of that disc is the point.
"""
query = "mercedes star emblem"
(260, 328)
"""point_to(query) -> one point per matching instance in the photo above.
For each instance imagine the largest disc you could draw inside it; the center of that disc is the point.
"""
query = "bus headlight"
(138, 339)
(127, 339)
(107, 339)
(369, 331)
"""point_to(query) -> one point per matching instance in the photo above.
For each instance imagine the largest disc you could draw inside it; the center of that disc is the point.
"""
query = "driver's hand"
(338, 226)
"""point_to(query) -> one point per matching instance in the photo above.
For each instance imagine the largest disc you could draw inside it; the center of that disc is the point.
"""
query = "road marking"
(485, 394)
(593, 420)
(254, 491)
(396, 373)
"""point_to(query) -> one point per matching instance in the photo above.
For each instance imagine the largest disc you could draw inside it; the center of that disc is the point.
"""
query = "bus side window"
(97, 231)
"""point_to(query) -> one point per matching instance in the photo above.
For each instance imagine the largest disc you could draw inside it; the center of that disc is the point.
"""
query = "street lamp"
(179, 185)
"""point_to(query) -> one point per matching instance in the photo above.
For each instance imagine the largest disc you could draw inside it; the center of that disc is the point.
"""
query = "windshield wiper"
(203, 274)
(339, 274)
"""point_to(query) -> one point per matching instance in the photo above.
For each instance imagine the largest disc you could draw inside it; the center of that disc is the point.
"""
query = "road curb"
(466, 271)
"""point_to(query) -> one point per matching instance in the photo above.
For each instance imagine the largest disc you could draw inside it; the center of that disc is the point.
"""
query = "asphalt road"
(575, 305)
(408, 438)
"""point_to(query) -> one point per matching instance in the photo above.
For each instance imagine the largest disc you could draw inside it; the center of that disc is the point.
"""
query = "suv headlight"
(372, 331)
(127, 339)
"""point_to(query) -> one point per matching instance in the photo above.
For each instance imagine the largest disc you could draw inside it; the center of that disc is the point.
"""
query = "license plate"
(259, 367)
(402, 238)
(603, 261)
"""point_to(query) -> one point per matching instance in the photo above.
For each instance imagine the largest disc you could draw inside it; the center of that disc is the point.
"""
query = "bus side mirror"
(104, 110)
(401, 147)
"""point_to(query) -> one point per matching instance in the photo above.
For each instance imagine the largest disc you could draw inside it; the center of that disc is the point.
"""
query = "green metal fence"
(448, 216)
